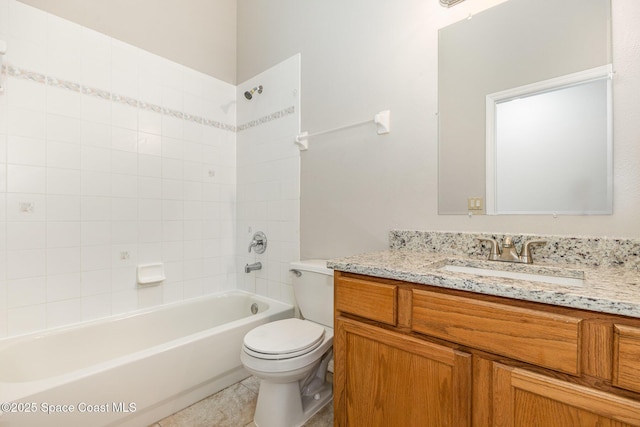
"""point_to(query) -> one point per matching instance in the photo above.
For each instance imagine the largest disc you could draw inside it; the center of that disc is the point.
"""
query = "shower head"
(249, 94)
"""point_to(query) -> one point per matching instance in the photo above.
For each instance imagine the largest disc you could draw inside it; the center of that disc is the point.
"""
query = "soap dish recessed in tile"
(149, 274)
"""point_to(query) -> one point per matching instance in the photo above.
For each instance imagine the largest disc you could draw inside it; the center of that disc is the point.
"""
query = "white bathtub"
(129, 370)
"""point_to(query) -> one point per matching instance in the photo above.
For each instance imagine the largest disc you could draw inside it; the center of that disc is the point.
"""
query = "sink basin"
(531, 277)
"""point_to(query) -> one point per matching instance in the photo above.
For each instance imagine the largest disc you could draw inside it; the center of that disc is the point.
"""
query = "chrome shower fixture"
(249, 94)
(449, 3)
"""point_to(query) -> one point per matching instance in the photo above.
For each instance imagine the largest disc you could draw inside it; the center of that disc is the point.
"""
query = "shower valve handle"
(259, 242)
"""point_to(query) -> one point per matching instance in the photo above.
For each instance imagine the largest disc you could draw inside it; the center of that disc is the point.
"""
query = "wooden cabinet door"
(383, 378)
(526, 399)
(626, 357)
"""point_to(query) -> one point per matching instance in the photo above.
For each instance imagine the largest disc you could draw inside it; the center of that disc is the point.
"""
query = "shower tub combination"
(130, 370)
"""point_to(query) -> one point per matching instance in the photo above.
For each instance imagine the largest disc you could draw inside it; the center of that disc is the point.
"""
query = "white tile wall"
(268, 173)
(91, 187)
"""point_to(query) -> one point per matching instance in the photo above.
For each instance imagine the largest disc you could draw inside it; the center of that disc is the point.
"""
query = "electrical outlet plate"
(475, 203)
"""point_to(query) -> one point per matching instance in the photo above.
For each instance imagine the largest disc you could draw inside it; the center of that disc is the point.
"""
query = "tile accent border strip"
(36, 77)
(266, 119)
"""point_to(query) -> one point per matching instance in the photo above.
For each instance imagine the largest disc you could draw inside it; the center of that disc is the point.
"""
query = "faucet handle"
(495, 249)
(526, 256)
(259, 242)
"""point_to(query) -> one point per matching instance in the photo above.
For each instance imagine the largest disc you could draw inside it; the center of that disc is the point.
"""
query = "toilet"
(291, 356)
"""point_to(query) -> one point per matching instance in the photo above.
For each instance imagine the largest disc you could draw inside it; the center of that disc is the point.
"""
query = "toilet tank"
(313, 290)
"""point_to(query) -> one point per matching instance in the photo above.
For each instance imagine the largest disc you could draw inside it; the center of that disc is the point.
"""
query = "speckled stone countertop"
(611, 282)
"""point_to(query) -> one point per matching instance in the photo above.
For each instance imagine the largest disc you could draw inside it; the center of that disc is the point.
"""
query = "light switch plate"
(475, 203)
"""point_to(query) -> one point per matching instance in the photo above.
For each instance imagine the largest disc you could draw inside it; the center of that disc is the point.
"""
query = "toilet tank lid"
(313, 265)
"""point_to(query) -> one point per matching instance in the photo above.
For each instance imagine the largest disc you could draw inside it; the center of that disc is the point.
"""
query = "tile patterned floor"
(232, 407)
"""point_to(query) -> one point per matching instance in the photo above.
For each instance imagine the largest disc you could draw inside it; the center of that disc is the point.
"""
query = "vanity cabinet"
(626, 367)
(522, 398)
(546, 339)
(385, 378)
(417, 355)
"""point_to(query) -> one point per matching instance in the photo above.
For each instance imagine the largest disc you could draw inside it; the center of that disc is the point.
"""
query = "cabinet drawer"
(544, 339)
(371, 300)
(626, 357)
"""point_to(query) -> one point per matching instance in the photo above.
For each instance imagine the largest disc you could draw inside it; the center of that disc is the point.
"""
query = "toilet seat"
(283, 339)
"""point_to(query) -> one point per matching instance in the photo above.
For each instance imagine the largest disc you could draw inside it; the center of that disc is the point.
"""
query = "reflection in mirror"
(514, 44)
(549, 147)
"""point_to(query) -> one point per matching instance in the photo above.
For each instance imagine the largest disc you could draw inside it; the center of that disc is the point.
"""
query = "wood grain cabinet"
(523, 398)
(546, 339)
(626, 359)
(387, 379)
(416, 355)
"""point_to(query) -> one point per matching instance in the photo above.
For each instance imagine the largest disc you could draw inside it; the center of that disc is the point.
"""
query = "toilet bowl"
(291, 356)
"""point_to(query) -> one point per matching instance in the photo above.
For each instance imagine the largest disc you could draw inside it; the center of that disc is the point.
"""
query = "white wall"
(200, 34)
(269, 178)
(110, 157)
(363, 56)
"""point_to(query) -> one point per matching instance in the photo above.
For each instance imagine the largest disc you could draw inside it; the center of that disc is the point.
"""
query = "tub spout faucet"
(248, 268)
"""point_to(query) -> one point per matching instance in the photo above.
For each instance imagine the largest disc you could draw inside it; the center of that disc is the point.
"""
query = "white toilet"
(291, 356)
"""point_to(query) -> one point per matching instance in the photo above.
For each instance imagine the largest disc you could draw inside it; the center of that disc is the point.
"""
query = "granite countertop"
(607, 289)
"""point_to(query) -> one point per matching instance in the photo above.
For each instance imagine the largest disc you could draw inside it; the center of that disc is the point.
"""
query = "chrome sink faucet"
(509, 253)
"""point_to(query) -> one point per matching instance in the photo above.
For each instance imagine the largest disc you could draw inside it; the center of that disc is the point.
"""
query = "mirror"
(549, 147)
(514, 45)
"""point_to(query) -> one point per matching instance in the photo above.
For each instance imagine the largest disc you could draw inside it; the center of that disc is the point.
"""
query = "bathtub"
(129, 370)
